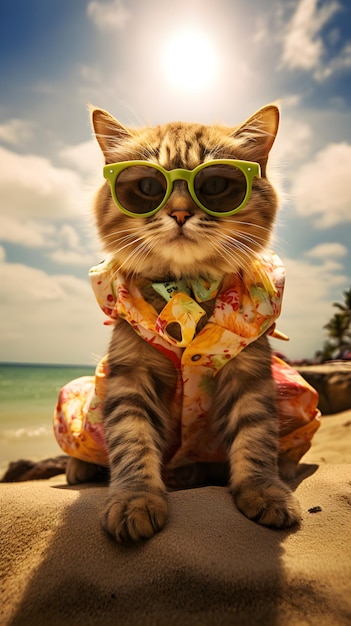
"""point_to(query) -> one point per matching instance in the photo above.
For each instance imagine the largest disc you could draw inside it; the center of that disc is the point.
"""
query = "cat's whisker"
(248, 255)
(129, 230)
(130, 243)
(120, 237)
(250, 224)
(139, 255)
(233, 242)
(219, 247)
(239, 252)
(250, 237)
(127, 260)
(277, 240)
(235, 220)
(242, 235)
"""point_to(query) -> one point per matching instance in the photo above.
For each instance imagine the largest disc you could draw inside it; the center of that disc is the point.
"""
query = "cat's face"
(181, 239)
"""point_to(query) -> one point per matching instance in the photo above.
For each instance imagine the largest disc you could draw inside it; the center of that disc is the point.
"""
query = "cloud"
(28, 233)
(85, 157)
(327, 251)
(69, 237)
(108, 15)
(72, 257)
(69, 249)
(321, 188)
(22, 285)
(309, 291)
(293, 142)
(16, 131)
(303, 45)
(339, 63)
(47, 318)
(63, 241)
(31, 187)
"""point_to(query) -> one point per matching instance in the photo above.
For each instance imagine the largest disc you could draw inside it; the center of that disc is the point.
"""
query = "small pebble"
(315, 509)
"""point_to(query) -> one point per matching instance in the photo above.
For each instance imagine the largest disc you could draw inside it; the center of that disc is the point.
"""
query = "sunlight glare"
(190, 60)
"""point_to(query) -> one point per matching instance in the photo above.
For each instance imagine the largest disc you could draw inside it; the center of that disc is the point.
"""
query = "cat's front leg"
(137, 428)
(246, 416)
(78, 471)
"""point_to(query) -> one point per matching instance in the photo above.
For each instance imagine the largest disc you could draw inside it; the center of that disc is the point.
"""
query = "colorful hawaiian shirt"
(246, 307)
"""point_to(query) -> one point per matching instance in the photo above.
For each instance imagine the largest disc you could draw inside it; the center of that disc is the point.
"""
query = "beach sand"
(332, 442)
(210, 565)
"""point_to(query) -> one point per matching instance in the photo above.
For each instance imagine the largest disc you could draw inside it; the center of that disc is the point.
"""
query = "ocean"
(28, 395)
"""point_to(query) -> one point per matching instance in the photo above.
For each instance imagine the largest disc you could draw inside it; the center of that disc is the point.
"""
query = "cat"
(182, 240)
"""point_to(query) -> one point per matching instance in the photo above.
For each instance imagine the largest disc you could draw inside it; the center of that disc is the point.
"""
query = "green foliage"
(339, 331)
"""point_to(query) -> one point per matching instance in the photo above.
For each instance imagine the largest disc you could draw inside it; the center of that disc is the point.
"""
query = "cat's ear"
(257, 134)
(108, 131)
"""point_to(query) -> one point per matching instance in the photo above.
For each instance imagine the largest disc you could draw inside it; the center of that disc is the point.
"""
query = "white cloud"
(85, 157)
(69, 249)
(327, 251)
(28, 233)
(64, 243)
(47, 318)
(72, 257)
(108, 15)
(293, 142)
(341, 62)
(22, 284)
(16, 131)
(303, 44)
(307, 304)
(292, 100)
(31, 186)
(321, 188)
(69, 237)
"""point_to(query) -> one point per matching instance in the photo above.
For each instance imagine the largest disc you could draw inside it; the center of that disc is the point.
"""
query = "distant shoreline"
(26, 364)
(28, 396)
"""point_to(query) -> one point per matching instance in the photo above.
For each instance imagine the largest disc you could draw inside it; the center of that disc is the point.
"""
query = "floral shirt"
(246, 306)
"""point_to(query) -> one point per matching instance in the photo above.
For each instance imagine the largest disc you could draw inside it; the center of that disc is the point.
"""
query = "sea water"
(28, 395)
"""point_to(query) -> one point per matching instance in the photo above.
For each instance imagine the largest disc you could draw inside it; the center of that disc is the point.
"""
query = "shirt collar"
(202, 288)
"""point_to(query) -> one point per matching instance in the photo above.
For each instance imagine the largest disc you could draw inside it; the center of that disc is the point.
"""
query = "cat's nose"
(181, 215)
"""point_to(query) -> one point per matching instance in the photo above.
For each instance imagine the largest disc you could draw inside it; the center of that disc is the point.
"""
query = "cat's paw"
(81, 472)
(134, 516)
(270, 504)
(287, 468)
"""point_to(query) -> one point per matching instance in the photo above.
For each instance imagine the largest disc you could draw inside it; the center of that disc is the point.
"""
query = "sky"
(149, 62)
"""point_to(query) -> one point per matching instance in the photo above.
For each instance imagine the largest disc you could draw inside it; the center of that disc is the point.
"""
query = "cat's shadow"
(304, 470)
(216, 478)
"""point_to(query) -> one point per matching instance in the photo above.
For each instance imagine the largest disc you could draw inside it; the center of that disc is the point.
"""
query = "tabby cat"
(186, 232)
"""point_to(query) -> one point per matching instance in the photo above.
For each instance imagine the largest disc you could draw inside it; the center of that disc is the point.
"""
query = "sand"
(210, 566)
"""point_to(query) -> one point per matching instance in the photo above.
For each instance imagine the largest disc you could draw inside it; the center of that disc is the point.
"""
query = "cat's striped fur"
(141, 379)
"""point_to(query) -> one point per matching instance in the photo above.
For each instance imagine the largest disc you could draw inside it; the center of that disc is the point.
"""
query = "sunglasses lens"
(220, 188)
(140, 189)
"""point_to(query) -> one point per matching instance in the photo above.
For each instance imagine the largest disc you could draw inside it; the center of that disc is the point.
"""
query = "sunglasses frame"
(250, 169)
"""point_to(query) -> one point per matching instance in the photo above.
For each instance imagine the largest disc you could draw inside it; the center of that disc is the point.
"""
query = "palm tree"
(339, 330)
(346, 306)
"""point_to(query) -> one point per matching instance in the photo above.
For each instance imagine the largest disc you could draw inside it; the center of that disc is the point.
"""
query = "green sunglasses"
(219, 187)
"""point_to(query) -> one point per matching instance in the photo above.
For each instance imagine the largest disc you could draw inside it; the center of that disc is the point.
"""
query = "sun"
(190, 60)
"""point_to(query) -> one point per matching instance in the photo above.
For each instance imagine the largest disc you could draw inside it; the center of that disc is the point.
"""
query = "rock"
(333, 382)
(19, 471)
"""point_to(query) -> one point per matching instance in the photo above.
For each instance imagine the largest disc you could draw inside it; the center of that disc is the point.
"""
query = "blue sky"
(150, 62)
